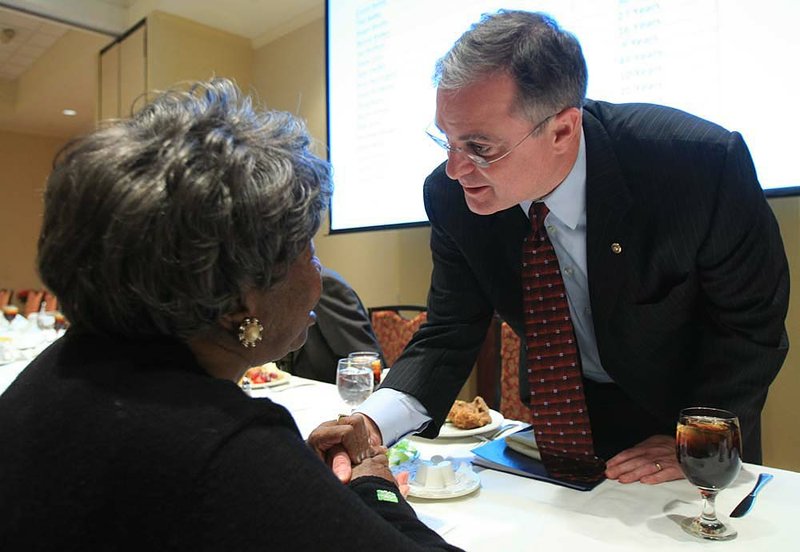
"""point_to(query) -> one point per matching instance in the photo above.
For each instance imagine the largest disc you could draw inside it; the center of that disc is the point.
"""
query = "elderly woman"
(179, 244)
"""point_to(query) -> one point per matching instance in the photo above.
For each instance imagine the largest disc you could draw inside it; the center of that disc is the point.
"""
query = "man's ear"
(566, 128)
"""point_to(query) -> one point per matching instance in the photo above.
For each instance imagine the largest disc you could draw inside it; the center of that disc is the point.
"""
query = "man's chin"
(481, 200)
(482, 207)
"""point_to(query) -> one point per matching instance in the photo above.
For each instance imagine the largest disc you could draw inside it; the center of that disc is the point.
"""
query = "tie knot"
(537, 213)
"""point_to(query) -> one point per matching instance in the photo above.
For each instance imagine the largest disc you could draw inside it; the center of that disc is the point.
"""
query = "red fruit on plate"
(258, 377)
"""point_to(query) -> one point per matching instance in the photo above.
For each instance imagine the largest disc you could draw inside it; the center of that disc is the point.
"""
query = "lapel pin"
(616, 248)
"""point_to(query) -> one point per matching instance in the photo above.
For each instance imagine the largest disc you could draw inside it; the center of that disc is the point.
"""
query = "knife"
(747, 502)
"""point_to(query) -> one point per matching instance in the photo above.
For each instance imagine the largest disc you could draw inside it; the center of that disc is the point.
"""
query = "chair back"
(487, 365)
(5, 297)
(510, 404)
(394, 330)
(33, 301)
(50, 302)
(497, 364)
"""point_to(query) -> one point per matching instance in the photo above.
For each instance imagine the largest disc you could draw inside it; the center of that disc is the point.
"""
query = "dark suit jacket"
(691, 312)
(342, 327)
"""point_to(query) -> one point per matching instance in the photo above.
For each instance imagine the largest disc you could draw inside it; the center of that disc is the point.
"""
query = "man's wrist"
(375, 437)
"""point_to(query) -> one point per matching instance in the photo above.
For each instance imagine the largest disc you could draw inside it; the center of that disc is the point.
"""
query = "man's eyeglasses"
(481, 161)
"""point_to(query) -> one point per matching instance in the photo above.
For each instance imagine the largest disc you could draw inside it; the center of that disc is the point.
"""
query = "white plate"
(466, 482)
(449, 431)
(282, 379)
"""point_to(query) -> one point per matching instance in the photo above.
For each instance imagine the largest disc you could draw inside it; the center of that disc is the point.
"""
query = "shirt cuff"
(396, 414)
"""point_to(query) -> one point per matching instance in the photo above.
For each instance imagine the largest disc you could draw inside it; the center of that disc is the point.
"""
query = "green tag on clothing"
(387, 496)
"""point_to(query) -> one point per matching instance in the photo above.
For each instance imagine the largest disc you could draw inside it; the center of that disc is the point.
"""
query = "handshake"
(351, 447)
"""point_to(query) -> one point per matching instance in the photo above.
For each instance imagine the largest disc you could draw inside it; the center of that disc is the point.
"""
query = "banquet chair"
(5, 296)
(394, 328)
(50, 302)
(33, 301)
(488, 365)
(511, 406)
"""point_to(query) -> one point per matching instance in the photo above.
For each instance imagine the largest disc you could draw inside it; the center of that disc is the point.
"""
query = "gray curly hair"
(155, 225)
(545, 61)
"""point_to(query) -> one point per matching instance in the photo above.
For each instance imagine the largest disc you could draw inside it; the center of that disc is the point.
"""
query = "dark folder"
(496, 455)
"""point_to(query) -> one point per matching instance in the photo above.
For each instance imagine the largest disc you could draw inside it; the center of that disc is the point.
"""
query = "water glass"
(46, 320)
(354, 381)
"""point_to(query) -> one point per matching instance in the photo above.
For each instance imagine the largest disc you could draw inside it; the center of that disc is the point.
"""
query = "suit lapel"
(608, 203)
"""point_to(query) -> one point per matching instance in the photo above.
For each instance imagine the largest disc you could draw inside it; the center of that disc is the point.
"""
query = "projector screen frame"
(785, 191)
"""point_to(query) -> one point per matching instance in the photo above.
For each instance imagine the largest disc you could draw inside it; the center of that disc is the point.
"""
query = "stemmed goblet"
(46, 320)
(10, 312)
(354, 381)
(709, 447)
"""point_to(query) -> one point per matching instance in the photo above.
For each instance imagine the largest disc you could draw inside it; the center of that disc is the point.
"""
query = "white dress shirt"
(566, 228)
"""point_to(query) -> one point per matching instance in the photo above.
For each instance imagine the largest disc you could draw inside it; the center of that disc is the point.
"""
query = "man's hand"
(345, 442)
(651, 461)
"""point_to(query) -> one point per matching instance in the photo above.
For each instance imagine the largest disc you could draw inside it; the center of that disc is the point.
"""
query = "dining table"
(21, 340)
(508, 512)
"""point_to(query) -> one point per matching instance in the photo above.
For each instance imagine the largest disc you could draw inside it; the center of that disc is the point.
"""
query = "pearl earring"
(250, 332)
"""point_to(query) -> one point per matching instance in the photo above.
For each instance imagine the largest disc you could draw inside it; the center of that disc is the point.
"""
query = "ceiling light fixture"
(69, 112)
(7, 35)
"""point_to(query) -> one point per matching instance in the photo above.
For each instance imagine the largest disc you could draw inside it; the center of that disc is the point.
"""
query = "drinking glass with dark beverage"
(709, 448)
(371, 358)
(60, 321)
(10, 312)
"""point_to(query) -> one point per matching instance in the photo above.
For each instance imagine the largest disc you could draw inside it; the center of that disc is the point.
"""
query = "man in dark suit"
(673, 263)
(342, 327)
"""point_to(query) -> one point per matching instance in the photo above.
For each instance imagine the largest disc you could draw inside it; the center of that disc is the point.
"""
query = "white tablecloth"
(511, 513)
(9, 372)
(20, 342)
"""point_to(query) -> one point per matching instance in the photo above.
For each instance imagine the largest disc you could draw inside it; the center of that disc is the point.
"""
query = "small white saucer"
(466, 482)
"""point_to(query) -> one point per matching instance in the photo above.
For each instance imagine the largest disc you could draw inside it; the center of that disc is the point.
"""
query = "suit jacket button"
(616, 248)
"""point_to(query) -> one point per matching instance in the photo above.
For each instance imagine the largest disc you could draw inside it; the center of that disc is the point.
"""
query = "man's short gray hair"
(544, 60)
(155, 225)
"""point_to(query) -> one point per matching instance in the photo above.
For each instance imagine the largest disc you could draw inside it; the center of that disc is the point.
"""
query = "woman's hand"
(344, 442)
(376, 465)
(402, 482)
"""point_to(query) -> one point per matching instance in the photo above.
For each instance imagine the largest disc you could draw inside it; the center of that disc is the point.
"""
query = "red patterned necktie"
(560, 417)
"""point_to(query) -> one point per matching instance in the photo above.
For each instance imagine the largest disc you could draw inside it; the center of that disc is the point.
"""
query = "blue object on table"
(747, 502)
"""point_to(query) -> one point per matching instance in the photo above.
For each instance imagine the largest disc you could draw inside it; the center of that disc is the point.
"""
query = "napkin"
(524, 442)
(20, 323)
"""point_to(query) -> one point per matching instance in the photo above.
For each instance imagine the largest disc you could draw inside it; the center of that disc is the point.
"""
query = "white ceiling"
(37, 26)
(23, 40)
(257, 20)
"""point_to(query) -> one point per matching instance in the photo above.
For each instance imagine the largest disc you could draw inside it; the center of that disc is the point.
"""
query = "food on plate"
(266, 373)
(402, 452)
(469, 415)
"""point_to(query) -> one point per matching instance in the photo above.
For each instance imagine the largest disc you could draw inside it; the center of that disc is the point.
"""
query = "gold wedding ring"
(658, 466)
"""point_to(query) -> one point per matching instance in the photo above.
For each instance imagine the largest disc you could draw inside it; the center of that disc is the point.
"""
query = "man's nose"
(458, 165)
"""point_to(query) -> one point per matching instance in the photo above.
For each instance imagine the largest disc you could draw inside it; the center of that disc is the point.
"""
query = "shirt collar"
(568, 200)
